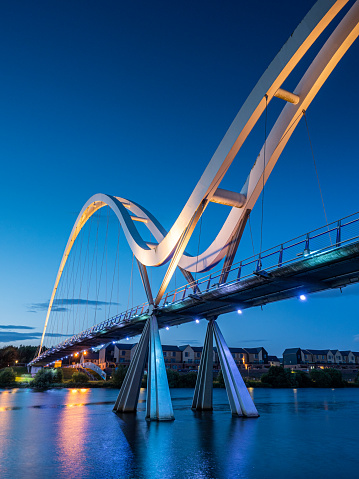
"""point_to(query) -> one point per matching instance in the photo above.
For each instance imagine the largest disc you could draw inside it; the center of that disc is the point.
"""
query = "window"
(323, 357)
(198, 355)
(186, 354)
(256, 356)
(164, 353)
(174, 354)
(197, 361)
(123, 353)
(241, 356)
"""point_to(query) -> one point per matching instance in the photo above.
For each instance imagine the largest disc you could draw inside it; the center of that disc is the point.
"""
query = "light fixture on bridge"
(302, 297)
(167, 328)
(127, 339)
(197, 321)
(239, 311)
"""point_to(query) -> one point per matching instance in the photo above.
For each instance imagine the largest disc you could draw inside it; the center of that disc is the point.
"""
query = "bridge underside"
(336, 268)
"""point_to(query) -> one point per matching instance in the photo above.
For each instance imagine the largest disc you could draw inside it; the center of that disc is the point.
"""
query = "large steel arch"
(171, 245)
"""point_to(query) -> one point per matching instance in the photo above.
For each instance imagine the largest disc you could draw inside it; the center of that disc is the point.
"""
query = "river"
(70, 433)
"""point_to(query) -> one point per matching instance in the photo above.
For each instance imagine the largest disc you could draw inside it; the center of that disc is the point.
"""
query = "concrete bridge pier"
(203, 393)
(128, 396)
(239, 398)
(158, 404)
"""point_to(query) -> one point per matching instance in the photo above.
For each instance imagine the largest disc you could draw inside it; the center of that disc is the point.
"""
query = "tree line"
(11, 355)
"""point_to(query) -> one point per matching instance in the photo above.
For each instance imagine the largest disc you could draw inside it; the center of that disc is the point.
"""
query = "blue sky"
(132, 99)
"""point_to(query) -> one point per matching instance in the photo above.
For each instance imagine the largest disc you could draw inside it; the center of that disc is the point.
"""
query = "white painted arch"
(302, 38)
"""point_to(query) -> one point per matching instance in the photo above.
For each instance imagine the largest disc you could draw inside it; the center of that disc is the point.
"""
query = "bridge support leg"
(239, 398)
(203, 393)
(128, 396)
(158, 405)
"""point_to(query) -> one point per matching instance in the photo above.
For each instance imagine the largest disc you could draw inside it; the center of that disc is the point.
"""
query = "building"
(240, 356)
(115, 353)
(348, 357)
(172, 356)
(90, 357)
(292, 357)
(273, 361)
(257, 355)
(321, 356)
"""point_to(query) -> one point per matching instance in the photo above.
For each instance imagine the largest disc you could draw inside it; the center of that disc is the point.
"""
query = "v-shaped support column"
(203, 393)
(239, 398)
(128, 396)
(159, 405)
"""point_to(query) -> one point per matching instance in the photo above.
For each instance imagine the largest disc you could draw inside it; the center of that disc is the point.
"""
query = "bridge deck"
(324, 270)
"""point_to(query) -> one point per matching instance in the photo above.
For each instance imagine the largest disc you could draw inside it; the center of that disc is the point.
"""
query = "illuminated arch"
(268, 86)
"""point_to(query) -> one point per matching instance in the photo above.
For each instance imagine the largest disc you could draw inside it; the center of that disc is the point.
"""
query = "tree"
(302, 379)
(26, 353)
(80, 378)
(43, 379)
(118, 376)
(58, 376)
(357, 379)
(220, 379)
(279, 377)
(327, 378)
(7, 377)
(8, 356)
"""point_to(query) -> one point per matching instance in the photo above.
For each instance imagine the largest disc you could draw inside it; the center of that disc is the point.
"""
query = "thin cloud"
(254, 340)
(356, 338)
(13, 326)
(60, 305)
(10, 336)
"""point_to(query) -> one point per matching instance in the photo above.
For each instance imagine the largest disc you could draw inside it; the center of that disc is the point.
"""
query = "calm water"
(74, 434)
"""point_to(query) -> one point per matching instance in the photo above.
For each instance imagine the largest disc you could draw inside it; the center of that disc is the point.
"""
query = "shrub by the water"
(177, 380)
(80, 378)
(173, 378)
(327, 378)
(302, 379)
(7, 377)
(118, 376)
(43, 379)
(58, 376)
(279, 377)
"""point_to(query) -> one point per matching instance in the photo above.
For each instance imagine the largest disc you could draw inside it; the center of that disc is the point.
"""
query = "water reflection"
(199, 445)
(66, 434)
(71, 432)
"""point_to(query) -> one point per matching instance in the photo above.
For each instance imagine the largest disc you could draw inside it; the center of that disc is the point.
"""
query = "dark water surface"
(311, 433)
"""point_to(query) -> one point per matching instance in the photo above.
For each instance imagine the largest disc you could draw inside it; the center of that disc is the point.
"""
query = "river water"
(311, 433)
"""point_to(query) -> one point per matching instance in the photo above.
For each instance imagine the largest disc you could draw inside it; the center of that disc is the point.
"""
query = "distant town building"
(325, 357)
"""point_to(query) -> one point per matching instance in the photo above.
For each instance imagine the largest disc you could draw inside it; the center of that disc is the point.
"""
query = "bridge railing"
(118, 319)
(318, 241)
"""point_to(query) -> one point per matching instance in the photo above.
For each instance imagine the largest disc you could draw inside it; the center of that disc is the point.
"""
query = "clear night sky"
(132, 99)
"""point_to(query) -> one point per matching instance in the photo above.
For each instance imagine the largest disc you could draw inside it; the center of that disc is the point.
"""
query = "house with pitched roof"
(172, 356)
(348, 357)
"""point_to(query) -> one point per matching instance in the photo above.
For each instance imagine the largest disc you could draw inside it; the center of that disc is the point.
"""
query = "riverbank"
(275, 378)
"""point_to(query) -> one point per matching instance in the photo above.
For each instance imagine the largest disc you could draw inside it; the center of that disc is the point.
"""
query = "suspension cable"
(250, 230)
(264, 166)
(199, 242)
(317, 174)
(114, 273)
(99, 284)
(129, 289)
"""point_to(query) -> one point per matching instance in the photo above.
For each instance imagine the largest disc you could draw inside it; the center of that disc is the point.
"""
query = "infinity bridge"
(323, 259)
